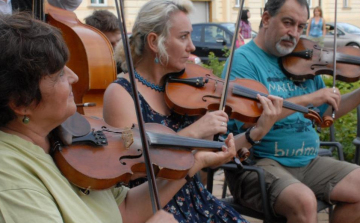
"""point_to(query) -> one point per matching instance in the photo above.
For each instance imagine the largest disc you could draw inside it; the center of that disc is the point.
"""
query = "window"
(210, 34)
(196, 34)
(216, 35)
(98, 2)
(237, 3)
(346, 3)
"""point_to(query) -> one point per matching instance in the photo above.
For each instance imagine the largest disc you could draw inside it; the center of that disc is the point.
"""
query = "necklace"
(149, 84)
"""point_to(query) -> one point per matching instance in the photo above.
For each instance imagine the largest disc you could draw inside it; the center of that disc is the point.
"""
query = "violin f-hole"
(130, 157)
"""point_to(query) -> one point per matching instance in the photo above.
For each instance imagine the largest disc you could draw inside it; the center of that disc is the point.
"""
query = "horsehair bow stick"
(38, 10)
(154, 194)
(334, 55)
(227, 76)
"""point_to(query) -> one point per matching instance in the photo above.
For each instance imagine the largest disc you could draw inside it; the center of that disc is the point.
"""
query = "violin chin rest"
(65, 136)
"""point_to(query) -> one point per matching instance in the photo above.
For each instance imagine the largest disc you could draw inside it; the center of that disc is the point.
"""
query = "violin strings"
(349, 59)
(180, 141)
(252, 94)
(249, 93)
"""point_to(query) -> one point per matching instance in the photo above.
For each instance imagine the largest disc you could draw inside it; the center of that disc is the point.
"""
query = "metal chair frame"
(267, 216)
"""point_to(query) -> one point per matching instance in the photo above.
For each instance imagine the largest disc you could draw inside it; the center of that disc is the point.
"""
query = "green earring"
(156, 59)
(26, 120)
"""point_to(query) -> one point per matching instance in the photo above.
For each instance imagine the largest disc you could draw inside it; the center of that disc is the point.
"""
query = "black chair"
(267, 216)
(356, 141)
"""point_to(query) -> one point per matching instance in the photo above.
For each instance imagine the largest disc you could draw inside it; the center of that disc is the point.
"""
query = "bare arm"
(317, 98)
(272, 109)
(119, 108)
(119, 112)
(324, 28)
(308, 27)
(349, 102)
(138, 198)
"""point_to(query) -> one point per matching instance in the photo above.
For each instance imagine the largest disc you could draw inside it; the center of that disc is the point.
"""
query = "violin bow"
(334, 55)
(231, 56)
(227, 75)
(38, 10)
(154, 194)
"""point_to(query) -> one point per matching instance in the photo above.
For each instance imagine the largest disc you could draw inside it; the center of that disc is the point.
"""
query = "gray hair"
(273, 7)
(154, 17)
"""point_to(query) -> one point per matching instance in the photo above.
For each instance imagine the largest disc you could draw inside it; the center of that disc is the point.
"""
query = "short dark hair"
(273, 7)
(30, 50)
(103, 20)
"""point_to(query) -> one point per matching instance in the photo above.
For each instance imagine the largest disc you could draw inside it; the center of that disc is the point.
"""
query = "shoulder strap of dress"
(123, 82)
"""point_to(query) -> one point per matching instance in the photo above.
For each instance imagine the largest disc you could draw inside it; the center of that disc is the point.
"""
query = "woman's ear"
(152, 39)
(20, 110)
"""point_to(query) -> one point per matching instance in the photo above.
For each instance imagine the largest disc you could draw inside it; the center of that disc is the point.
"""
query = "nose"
(293, 31)
(73, 78)
(191, 47)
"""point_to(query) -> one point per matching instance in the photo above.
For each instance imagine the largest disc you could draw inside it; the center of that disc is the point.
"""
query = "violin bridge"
(127, 137)
(216, 83)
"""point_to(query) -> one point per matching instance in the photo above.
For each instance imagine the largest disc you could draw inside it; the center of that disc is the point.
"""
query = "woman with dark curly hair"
(36, 97)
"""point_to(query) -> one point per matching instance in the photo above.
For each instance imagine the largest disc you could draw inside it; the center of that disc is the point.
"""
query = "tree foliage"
(346, 126)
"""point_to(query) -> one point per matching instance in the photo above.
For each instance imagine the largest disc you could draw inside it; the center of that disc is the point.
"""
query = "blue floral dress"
(192, 203)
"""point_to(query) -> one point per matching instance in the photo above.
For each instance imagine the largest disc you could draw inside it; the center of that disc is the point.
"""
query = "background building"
(226, 10)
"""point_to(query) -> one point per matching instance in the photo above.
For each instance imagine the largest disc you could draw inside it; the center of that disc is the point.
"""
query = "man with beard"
(295, 175)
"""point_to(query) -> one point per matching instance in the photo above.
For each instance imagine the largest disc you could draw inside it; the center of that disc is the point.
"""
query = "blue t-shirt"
(292, 141)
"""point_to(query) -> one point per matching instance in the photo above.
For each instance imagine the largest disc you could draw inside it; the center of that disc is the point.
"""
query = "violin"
(309, 59)
(197, 90)
(93, 155)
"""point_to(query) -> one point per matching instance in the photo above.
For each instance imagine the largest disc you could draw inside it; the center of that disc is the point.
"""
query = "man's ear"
(152, 39)
(265, 19)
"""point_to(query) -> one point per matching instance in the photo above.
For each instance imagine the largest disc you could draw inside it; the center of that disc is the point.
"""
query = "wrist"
(256, 133)
(195, 168)
(253, 136)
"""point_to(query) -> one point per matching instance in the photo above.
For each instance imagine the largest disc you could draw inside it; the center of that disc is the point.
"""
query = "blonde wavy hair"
(154, 17)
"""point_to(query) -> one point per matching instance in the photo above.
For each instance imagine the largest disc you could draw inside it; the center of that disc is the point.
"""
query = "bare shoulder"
(118, 106)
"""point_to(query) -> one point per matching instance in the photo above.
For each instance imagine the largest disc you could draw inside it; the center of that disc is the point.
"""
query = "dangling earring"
(26, 120)
(156, 59)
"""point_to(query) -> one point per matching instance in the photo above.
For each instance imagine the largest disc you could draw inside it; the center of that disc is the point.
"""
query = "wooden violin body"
(309, 59)
(198, 90)
(91, 58)
(203, 93)
(98, 156)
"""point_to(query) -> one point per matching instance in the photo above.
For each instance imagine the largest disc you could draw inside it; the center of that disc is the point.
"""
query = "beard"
(282, 50)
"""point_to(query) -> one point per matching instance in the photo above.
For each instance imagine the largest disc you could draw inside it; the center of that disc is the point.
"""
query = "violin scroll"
(327, 122)
(324, 122)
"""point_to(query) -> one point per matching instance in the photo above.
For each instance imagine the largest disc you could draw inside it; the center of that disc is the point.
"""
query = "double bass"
(91, 58)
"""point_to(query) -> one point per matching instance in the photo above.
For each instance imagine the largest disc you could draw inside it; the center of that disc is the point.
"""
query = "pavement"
(219, 177)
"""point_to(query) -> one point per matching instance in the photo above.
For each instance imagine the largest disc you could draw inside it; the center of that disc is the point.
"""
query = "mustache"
(289, 38)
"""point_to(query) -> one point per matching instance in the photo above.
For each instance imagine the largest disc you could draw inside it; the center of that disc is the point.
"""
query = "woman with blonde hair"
(316, 28)
(161, 44)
